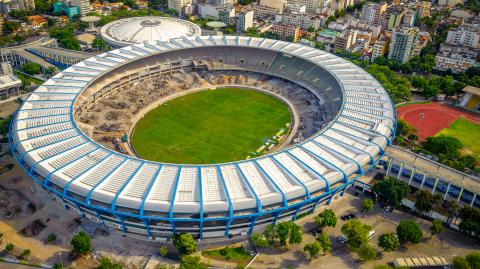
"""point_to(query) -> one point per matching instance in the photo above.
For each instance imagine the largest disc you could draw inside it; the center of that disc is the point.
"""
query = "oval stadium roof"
(45, 138)
(143, 29)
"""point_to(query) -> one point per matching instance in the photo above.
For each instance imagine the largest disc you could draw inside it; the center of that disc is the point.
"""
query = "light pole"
(61, 261)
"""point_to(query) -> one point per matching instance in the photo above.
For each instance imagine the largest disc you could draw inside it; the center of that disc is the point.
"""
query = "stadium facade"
(157, 200)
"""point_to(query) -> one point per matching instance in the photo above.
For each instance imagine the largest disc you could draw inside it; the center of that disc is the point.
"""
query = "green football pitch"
(467, 132)
(210, 126)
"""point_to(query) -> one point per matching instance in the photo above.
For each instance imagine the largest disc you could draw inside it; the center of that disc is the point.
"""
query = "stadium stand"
(156, 200)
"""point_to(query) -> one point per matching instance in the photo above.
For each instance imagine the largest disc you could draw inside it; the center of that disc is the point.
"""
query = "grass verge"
(231, 254)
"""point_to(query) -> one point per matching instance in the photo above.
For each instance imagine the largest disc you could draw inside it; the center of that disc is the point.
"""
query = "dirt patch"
(33, 229)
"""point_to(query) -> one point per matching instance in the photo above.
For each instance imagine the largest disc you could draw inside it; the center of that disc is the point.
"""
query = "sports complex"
(339, 121)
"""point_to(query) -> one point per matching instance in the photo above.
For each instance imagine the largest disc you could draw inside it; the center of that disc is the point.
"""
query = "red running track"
(436, 117)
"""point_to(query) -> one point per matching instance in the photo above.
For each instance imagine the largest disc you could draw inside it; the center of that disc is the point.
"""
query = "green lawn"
(236, 254)
(210, 126)
(467, 132)
(27, 80)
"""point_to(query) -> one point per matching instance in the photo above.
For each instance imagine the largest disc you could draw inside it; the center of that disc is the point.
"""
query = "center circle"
(212, 126)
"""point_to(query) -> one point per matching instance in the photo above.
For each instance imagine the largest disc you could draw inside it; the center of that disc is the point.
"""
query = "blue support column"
(149, 188)
(47, 178)
(307, 191)
(259, 203)
(201, 201)
(284, 198)
(172, 202)
(122, 188)
(359, 166)
(230, 205)
(345, 177)
(90, 192)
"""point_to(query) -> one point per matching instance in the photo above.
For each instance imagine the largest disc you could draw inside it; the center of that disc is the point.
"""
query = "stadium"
(353, 118)
(129, 31)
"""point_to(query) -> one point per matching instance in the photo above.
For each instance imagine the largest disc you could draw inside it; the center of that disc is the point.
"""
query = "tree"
(290, 231)
(9, 247)
(259, 241)
(367, 205)
(106, 263)
(163, 250)
(326, 218)
(452, 209)
(473, 258)
(425, 201)
(11, 26)
(409, 231)
(66, 37)
(313, 249)
(366, 252)
(324, 241)
(270, 233)
(442, 144)
(50, 71)
(81, 243)
(25, 253)
(191, 262)
(31, 68)
(99, 44)
(391, 191)
(460, 263)
(470, 224)
(51, 238)
(437, 227)
(404, 128)
(19, 38)
(356, 233)
(296, 235)
(388, 242)
(185, 243)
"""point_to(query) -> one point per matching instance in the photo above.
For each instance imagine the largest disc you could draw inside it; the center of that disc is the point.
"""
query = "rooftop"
(143, 29)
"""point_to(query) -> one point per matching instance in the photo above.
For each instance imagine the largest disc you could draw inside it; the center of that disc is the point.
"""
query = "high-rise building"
(6, 6)
(83, 6)
(2, 22)
(26, 4)
(303, 20)
(244, 21)
(403, 44)
(465, 35)
(6, 68)
(423, 9)
(285, 30)
(277, 4)
(380, 47)
(408, 18)
(178, 4)
(395, 16)
(311, 5)
(345, 40)
(455, 58)
(371, 13)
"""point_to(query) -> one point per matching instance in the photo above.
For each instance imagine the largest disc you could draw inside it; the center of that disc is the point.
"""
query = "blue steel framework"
(100, 211)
